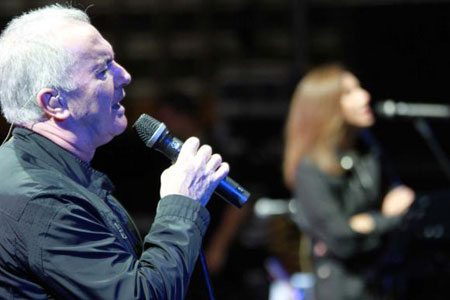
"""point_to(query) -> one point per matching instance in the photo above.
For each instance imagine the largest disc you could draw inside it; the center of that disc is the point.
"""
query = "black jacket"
(64, 236)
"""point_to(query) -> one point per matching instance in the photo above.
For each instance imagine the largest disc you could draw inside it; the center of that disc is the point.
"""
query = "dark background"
(241, 59)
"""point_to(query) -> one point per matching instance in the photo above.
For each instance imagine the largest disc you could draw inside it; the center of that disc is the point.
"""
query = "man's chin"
(121, 127)
(118, 126)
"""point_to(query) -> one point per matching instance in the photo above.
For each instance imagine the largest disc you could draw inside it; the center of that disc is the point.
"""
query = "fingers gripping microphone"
(156, 135)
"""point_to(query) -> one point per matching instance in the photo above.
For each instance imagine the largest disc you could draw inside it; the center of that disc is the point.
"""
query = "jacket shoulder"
(21, 182)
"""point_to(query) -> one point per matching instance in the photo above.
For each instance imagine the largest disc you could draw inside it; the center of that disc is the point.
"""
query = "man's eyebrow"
(103, 60)
(107, 57)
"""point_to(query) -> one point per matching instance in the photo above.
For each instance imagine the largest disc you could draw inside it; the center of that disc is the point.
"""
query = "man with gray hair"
(64, 236)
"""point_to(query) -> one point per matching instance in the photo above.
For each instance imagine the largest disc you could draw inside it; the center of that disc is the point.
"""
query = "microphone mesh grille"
(146, 127)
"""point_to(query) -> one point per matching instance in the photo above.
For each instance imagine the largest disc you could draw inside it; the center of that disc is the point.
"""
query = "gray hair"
(30, 60)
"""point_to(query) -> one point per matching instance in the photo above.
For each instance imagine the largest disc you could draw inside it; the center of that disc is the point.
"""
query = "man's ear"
(52, 103)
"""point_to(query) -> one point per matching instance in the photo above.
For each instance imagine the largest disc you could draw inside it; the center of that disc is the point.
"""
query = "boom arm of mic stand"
(426, 132)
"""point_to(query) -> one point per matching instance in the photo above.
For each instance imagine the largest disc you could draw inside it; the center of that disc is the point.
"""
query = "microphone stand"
(426, 132)
(206, 275)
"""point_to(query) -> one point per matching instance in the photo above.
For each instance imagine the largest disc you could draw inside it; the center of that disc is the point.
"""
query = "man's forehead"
(84, 40)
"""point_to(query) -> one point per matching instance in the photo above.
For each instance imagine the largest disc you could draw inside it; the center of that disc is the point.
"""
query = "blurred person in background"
(337, 182)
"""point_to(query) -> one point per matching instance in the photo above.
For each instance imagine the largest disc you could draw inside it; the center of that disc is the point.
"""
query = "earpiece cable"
(12, 124)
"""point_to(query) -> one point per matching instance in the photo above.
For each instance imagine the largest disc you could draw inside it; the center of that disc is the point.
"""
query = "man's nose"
(122, 77)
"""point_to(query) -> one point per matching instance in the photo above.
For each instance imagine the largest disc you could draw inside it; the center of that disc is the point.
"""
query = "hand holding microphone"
(196, 172)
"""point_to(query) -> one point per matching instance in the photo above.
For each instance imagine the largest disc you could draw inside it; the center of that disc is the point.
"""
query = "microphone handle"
(228, 189)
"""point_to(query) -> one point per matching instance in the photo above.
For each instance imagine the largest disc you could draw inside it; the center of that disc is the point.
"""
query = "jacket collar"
(42, 152)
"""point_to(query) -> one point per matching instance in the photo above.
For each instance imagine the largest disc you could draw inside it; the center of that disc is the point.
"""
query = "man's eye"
(102, 73)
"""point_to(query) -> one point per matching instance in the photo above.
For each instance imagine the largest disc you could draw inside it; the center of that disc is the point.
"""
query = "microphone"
(390, 108)
(156, 135)
(268, 207)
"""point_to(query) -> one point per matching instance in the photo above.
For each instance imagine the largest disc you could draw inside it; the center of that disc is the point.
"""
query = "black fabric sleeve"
(80, 258)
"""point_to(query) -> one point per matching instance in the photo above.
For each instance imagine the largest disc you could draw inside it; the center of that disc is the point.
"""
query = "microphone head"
(386, 108)
(149, 129)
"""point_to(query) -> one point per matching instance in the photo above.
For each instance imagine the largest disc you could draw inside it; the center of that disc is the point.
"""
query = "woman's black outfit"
(343, 260)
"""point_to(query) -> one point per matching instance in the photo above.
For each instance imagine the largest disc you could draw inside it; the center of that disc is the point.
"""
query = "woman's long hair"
(315, 127)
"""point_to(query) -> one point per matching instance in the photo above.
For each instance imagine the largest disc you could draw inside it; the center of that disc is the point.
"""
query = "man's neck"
(64, 138)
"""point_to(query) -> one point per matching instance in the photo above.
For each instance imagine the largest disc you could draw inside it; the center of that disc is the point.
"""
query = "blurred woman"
(337, 183)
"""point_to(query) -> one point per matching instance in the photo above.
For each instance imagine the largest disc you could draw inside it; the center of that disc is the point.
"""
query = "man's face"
(97, 113)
